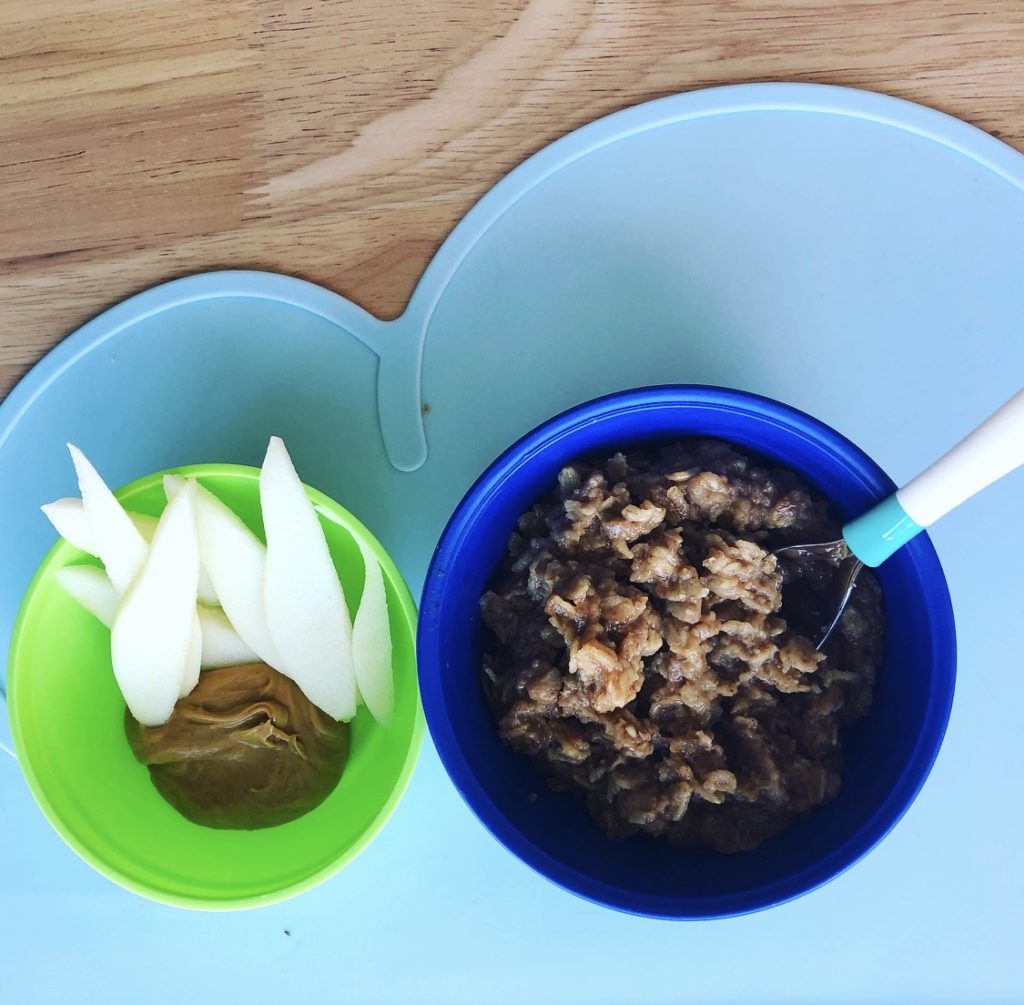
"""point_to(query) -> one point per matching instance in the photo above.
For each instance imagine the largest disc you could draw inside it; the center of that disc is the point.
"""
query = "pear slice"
(152, 638)
(193, 664)
(235, 559)
(119, 545)
(305, 606)
(173, 484)
(221, 645)
(91, 588)
(371, 643)
(69, 519)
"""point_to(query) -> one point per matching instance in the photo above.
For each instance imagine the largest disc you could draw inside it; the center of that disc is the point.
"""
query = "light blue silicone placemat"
(851, 254)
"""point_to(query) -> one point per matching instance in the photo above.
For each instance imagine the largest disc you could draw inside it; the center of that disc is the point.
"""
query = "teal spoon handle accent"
(884, 529)
(994, 449)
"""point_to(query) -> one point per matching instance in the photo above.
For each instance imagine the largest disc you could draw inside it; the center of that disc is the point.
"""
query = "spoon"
(994, 449)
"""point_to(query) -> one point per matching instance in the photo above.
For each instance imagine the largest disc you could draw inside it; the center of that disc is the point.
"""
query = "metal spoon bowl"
(837, 553)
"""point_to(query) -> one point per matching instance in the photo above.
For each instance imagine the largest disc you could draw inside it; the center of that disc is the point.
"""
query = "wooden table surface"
(340, 140)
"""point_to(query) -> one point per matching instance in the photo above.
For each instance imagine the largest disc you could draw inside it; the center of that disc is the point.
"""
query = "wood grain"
(341, 140)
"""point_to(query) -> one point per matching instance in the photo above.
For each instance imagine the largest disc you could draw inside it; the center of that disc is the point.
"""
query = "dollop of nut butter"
(246, 749)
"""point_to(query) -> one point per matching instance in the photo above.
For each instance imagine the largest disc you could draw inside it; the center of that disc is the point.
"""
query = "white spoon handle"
(994, 449)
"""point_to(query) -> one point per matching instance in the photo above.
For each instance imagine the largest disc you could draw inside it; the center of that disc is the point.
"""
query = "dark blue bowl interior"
(888, 754)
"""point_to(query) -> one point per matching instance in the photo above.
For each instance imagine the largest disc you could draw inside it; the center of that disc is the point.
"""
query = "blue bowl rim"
(897, 801)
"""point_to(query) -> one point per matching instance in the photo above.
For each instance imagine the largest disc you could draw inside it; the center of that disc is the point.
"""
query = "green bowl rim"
(351, 523)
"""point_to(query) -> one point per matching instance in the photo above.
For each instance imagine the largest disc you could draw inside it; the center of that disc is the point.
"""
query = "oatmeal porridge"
(650, 654)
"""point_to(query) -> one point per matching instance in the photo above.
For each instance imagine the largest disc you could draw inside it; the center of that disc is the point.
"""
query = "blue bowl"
(888, 754)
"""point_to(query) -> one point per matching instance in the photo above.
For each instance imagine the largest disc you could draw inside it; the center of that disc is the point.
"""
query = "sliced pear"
(221, 645)
(92, 589)
(118, 544)
(152, 638)
(193, 664)
(69, 519)
(235, 559)
(371, 643)
(207, 594)
(305, 606)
